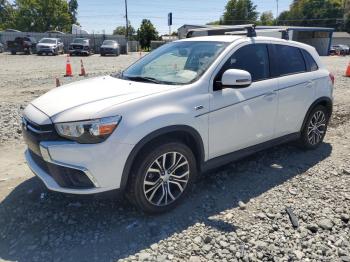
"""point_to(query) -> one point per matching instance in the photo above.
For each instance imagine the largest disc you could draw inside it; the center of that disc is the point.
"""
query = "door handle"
(198, 107)
(309, 84)
(269, 94)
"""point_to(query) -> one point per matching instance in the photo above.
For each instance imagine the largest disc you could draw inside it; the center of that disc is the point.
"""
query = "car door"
(296, 88)
(242, 117)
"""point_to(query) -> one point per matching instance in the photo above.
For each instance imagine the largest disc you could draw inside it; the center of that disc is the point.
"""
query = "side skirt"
(234, 156)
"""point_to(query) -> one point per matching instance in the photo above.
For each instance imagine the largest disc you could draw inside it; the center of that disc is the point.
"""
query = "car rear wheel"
(162, 178)
(315, 128)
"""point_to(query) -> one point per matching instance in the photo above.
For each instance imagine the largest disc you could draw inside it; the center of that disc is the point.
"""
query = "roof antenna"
(251, 31)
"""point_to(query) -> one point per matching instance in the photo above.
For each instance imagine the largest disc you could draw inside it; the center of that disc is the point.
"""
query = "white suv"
(185, 108)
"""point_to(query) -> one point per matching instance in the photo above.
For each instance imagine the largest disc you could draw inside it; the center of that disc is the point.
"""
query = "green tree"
(42, 15)
(266, 18)
(283, 18)
(146, 33)
(120, 30)
(326, 13)
(7, 15)
(218, 22)
(73, 10)
(347, 16)
(239, 12)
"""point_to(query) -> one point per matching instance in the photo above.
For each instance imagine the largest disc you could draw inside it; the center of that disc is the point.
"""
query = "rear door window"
(289, 60)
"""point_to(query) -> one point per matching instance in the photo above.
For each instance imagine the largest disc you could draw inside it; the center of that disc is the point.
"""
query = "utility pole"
(127, 25)
(277, 13)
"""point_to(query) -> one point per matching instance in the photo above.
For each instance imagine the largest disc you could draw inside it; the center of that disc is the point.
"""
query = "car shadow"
(38, 225)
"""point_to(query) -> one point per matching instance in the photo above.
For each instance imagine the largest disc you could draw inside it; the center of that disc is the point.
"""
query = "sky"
(105, 15)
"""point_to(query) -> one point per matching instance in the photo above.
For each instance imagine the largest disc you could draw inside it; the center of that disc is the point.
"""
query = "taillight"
(331, 76)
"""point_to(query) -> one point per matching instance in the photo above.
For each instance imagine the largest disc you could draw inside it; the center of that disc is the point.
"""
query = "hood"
(102, 92)
(45, 44)
(79, 44)
(109, 46)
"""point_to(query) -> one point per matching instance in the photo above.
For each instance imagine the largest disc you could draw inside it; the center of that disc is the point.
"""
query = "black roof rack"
(250, 29)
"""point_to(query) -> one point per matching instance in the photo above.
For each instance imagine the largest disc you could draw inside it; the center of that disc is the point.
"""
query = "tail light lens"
(331, 76)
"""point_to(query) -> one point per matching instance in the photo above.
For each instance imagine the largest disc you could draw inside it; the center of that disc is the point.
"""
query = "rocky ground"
(236, 213)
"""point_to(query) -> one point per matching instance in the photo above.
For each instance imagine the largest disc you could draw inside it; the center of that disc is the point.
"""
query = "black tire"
(136, 191)
(310, 137)
(13, 52)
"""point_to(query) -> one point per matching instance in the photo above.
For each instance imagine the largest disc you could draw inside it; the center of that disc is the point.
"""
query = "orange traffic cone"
(68, 68)
(347, 73)
(58, 82)
(82, 69)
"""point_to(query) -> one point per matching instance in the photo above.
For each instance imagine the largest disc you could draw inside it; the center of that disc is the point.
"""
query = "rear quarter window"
(310, 61)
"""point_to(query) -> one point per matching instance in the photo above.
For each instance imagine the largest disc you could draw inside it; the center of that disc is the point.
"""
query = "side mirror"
(235, 78)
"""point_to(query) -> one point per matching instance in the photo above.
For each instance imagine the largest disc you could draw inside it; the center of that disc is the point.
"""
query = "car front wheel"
(162, 177)
(315, 128)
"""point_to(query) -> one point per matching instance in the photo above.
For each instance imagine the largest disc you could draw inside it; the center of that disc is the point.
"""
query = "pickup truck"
(26, 45)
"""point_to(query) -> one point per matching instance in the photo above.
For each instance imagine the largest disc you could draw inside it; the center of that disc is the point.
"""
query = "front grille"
(33, 134)
(64, 176)
(77, 47)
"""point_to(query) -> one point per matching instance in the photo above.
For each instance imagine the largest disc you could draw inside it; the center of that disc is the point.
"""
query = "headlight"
(90, 131)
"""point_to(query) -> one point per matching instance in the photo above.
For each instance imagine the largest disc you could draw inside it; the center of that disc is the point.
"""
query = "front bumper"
(90, 163)
(45, 50)
(70, 167)
(48, 179)
(108, 51)
(79, 52)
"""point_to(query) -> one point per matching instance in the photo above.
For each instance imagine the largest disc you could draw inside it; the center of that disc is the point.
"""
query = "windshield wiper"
(143, 78)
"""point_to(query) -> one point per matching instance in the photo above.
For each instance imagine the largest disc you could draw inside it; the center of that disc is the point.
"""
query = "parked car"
(185, 108)
(2, 48)
(110, 47)
(332, 51)
(26, 45)
(12, 30)
(341, 49)
(80, 46)
(52, 46)
(55, 32)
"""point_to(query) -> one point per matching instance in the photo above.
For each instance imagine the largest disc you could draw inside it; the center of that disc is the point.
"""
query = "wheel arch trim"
(158, 133)
(318, 101)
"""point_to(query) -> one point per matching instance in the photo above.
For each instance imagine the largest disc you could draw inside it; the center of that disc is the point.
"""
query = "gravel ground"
(236, 213)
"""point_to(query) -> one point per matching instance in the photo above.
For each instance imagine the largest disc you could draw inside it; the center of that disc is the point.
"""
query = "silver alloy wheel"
(316, 128)
(166, 178)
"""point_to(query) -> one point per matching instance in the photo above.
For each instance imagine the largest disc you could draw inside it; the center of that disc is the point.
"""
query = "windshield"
(79, 41)
(109, 42)
(48, 41)
(175, 63)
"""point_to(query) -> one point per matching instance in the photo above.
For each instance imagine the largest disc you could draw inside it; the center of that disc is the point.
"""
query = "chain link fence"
(96, 40)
